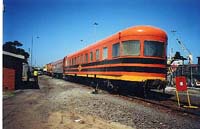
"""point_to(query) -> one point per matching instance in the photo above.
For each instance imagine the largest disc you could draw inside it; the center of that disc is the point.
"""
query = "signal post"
(181, 86)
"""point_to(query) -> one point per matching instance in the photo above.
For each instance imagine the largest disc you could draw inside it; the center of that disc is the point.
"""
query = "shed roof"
(13, 55)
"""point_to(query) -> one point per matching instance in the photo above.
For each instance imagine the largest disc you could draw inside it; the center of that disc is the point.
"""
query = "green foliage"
(13, 48)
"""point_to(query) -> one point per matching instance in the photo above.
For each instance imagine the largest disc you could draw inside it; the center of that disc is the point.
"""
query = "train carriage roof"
(57, 62)
(143, 30)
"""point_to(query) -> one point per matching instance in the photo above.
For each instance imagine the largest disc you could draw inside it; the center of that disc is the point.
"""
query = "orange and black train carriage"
(132, 57)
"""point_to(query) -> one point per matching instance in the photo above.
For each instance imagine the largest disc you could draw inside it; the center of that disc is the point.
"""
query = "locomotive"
(134, 58)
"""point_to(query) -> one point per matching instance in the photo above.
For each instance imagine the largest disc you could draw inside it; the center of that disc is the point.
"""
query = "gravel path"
(68, 97)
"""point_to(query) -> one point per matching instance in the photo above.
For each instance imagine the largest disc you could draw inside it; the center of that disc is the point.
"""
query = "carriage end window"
(154, 48)
(131, 47)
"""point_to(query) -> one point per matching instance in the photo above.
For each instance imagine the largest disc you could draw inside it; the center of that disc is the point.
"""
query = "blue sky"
(62, 24)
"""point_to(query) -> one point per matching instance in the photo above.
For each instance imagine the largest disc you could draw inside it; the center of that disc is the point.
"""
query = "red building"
(12, 70)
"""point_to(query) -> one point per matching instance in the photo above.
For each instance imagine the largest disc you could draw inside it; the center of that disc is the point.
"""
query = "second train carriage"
(57, 69)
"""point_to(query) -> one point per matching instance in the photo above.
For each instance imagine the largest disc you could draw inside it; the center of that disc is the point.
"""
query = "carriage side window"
(74, 60)
(86, 58)
(154, 48)
(81, 59)
(77, 60)
(97, 54)
(131, 47)
(105, 53)
(66, 62)
(115, 50)
(91, 56)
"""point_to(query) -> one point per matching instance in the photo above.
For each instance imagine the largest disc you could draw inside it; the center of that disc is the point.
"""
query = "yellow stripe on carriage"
(123, 77)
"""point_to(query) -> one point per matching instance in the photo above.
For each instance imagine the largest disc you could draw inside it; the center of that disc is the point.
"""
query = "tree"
(13, 47)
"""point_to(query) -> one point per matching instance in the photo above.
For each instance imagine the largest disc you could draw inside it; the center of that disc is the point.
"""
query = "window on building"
(97, 54)
(86, 58)
(116, 50)
(154, 48)
(131, 47)
(91, 56)
(105, 53)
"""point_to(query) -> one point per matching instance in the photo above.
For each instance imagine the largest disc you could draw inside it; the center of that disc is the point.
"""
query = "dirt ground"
(37, 109)
(59, 104)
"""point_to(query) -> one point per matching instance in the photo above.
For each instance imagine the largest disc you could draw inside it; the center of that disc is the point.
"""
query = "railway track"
(155, 98)
(167, 104)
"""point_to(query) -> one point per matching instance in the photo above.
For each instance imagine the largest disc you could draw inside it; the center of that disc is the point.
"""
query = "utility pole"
(82, 43)
(32, 50)
(95, 29)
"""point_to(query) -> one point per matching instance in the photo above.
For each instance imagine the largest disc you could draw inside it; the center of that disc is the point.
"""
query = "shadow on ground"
(29, 85)
(158, 96)
(150, 95)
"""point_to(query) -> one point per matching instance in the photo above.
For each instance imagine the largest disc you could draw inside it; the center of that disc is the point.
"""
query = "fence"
(191, 72)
